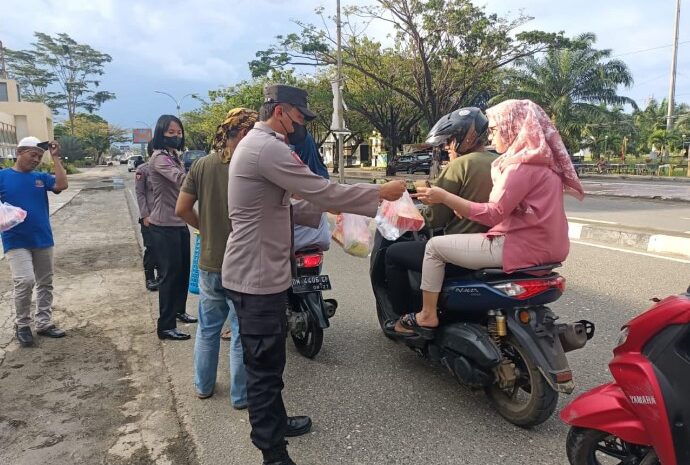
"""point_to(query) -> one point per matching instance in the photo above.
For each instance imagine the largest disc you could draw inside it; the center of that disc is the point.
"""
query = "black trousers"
(263, 329)
(402, 257)
(171, 249)
(150, 264)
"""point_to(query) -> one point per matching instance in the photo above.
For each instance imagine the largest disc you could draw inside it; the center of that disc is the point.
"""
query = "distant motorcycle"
(643, 416)
(496, 333)
(308, 312)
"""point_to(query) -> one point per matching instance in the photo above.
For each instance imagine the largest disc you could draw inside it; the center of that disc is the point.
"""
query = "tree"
(94, 134)
(71, 148)
(451, 50)
(62, 73)
(33, 80)
(570, 84)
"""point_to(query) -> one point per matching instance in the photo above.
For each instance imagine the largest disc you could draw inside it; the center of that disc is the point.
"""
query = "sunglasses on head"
(43, 145)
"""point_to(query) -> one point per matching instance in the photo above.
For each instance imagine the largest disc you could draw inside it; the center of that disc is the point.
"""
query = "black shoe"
(173, 334)
(51, 331)
(186, 318)
(277, 455)
(152, 284)
(24, 336)
(297, 426)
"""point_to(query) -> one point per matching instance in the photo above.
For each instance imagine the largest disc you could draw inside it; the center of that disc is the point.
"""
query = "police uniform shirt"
(263, 175)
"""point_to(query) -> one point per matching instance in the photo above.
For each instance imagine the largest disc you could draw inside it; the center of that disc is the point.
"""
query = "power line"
(649, 49)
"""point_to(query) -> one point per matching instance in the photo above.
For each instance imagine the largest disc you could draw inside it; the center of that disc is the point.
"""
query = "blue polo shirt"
(28, 191)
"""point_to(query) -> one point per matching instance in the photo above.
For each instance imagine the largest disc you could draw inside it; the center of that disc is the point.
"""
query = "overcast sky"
(183, 47)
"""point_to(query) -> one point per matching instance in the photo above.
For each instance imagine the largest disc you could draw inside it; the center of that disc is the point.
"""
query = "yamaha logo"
(643, 400)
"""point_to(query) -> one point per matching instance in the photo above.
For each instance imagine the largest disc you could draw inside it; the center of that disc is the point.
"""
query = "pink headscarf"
(530, 137)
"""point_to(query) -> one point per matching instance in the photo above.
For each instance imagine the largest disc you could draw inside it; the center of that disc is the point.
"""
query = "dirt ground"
(101, 395)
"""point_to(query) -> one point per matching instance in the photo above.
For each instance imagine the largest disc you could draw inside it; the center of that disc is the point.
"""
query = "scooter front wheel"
(530, 401)
(593, 447)
(309, 338)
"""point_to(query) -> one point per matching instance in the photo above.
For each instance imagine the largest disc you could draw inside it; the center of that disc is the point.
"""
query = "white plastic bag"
(10, 216)
(353, 233)
(396, 218)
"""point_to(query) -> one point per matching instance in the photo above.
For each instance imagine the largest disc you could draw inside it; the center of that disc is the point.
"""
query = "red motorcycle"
(643, 417)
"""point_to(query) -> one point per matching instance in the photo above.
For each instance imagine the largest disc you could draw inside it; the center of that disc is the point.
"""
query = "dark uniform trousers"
(150, 264)
(402, 257)
(171, 249)
(263, 330)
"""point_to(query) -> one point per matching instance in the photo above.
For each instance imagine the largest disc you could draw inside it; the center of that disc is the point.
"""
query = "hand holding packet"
(396, 218)
(10, 216)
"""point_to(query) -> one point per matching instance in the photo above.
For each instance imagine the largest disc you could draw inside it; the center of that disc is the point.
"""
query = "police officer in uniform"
(265, 177)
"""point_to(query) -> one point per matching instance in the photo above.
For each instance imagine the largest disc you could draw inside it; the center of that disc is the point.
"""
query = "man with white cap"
(29, 245)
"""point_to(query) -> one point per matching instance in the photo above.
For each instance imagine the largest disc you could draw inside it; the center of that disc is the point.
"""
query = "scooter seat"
(484, 274)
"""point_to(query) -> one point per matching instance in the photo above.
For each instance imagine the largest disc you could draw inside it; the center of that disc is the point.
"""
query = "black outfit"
(150, 265)
(171, 248)
(263, 330)
(402, 257)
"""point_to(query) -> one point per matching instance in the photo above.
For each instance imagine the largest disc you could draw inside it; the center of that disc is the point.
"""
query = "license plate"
(311, 284)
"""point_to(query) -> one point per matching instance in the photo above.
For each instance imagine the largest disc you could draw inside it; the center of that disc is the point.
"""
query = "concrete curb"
(648, 241)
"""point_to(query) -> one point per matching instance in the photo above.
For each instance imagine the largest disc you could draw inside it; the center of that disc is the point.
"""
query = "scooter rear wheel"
(593, 447)
(531, 401)
(308, 342)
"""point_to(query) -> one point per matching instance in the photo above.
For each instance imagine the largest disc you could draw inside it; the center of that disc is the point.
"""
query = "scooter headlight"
(623, 336)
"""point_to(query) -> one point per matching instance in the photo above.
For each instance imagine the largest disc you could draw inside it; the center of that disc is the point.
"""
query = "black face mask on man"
(173, 142)
(299, 135)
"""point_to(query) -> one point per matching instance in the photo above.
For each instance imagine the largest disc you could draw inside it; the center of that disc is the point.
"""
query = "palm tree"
(571, 85)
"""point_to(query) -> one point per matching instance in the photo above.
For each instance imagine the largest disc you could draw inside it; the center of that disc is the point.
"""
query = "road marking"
(591, 221)
(635, 252)
(683, 218)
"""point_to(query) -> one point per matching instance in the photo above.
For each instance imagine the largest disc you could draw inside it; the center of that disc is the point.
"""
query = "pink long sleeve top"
(526, 206)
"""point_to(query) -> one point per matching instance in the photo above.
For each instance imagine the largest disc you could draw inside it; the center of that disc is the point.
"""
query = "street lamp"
(178, 103)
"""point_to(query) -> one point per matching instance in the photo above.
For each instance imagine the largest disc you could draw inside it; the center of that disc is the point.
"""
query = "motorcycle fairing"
(606, 408)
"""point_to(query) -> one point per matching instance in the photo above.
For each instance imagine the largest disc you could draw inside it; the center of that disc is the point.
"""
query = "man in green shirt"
(464, 134)
(207, 184)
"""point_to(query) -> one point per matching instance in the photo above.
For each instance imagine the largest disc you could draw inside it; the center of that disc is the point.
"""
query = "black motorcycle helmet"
(469, 126)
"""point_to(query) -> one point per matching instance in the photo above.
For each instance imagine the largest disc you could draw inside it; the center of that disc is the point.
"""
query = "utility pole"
(674, 59)
(339, 99)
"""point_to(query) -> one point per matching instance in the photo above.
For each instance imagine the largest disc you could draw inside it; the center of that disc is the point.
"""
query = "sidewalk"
(102, 393)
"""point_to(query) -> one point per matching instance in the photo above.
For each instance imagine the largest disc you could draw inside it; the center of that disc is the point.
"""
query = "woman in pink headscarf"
(525, 211)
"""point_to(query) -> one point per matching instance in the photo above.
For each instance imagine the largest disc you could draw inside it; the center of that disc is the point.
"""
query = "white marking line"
(645, 254)
(589, 220)
(683, 218)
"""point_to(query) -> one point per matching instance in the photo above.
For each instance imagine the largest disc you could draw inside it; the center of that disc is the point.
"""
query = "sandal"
(226, 335)
(409, 321)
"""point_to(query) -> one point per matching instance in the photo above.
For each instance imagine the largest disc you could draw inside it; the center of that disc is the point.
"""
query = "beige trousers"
(32, 268)
(473, 251)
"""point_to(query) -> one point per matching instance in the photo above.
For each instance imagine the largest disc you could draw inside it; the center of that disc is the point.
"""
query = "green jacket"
(469, 177)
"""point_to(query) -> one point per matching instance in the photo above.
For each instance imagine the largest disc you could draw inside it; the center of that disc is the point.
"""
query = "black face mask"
(173, 142)
(299, 135)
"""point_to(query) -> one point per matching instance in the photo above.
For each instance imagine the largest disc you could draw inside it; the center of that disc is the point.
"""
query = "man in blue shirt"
(29, 245)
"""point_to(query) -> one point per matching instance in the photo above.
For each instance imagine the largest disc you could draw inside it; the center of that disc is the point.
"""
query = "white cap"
(30, 141)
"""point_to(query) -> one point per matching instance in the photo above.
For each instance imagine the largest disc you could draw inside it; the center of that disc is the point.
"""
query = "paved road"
(646, 214)
(374, 402)
(658, 189)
